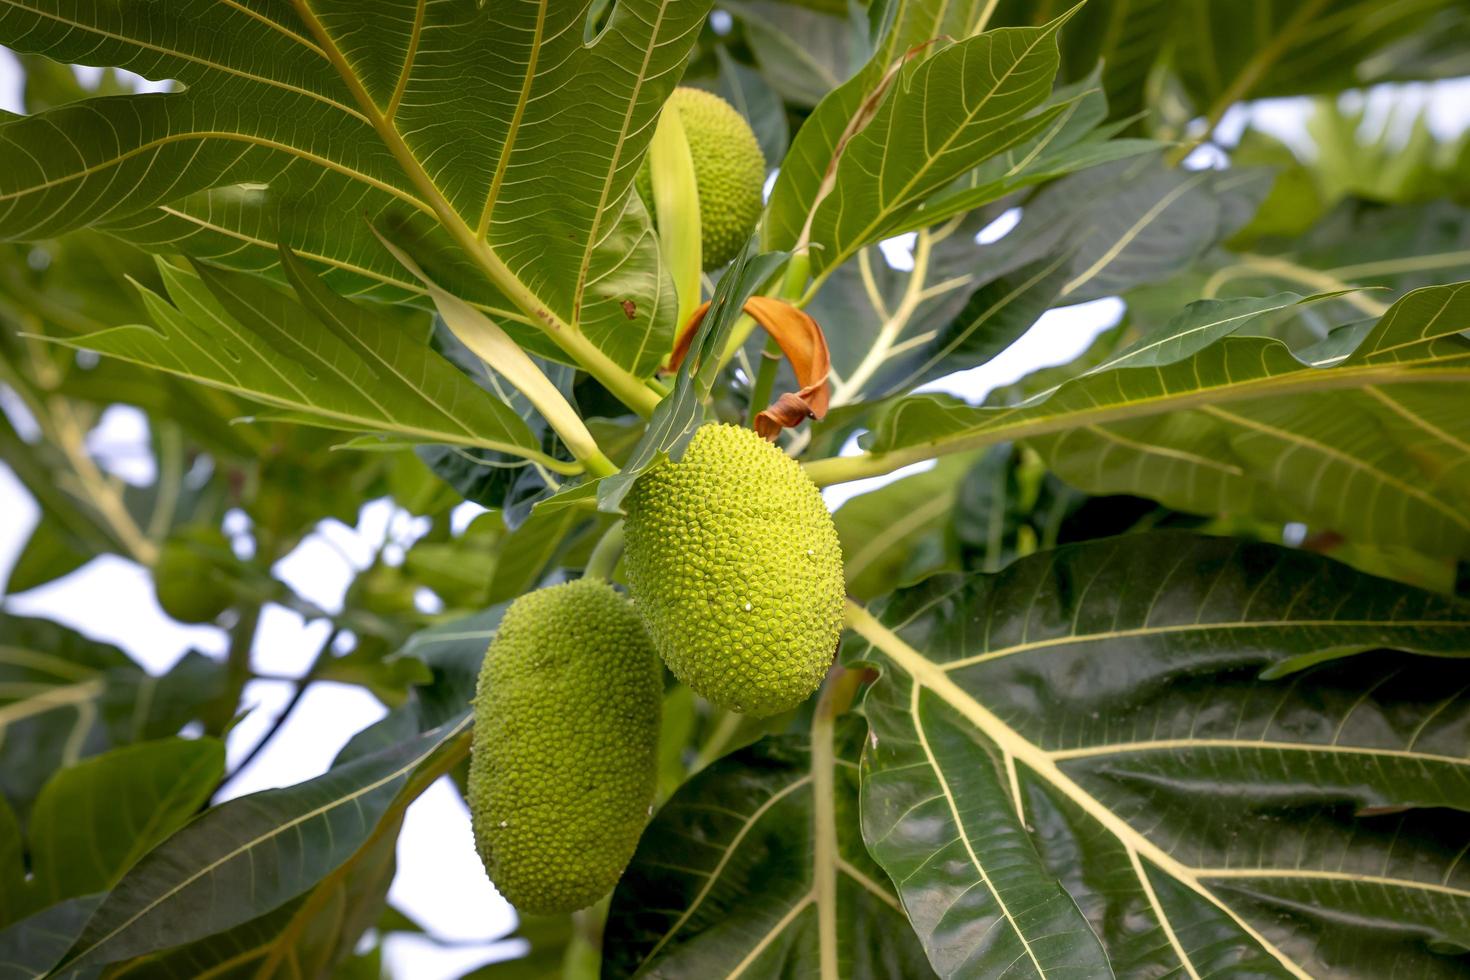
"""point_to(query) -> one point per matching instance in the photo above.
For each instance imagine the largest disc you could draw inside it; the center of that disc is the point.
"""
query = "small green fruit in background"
(729, 171)
(384, 590)
(563, 759)
(191, 577)
(734, 566)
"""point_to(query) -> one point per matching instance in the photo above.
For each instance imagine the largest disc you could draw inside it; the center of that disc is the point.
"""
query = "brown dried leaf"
(805, 347)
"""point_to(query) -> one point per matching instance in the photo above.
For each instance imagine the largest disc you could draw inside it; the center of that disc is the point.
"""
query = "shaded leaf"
(309, 936)
(895, 534)
(250, 855)
(803, 54)
(49, 553)
(756, 865)
(31, 947)
(94, 820)
(51, 683)
(1092, 724)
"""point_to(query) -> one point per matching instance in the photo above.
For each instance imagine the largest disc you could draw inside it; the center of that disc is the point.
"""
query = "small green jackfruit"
(190, 577)
(729, 172)
(564, 753)
(735, 567)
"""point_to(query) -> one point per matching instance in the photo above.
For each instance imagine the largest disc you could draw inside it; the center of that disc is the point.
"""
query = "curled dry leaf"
(805, 346)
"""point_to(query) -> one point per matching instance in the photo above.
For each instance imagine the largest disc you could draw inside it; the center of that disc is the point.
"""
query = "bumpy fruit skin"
(729, 171)
(189, 577)
(734, 566)
(563, 758)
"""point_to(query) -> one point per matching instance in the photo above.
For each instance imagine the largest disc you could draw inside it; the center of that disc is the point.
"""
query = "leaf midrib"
(351, 421)
(924, 673)
(989, 432)
(481, 252)
(275, 831)
(194, 59)
(884, 212)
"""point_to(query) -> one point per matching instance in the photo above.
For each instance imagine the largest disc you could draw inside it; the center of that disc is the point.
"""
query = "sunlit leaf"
(1244, 426)
(492, 130)
(331, 363)
(940, 115)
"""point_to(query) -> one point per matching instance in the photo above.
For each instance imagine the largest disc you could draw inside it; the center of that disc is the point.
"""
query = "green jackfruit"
(729, 172)
(563, 758)
(191, 576)
(734, 566)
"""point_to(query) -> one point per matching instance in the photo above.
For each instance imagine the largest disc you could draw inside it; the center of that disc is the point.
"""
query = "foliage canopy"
(1156, 667)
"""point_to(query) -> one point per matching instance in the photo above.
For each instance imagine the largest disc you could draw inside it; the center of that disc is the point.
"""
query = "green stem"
(237, 671)
(765, 379)
(170, 479)
(836, 697)
(604, 558)
(843, 469)
(793, 289)
(323, 655)
(583, 959)
(714, 747)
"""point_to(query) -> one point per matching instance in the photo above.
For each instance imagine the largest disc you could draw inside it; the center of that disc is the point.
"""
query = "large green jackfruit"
(735, 568)
(563, 758)
(729, 172)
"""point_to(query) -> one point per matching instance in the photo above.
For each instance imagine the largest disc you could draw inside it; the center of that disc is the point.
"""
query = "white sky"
(440, 882)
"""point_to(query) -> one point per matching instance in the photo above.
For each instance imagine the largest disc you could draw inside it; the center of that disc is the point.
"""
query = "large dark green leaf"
(306, 937)
(1243, 426)
(252, 854)
(496, 128)
(95, 819)
(29, 948)
(803, 54)
(1092, 234)
(1096, 725)
(756, 868)
(1128, 222)
(64, 697)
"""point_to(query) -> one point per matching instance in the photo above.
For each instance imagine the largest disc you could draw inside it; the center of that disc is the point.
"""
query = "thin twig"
(322, 656)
